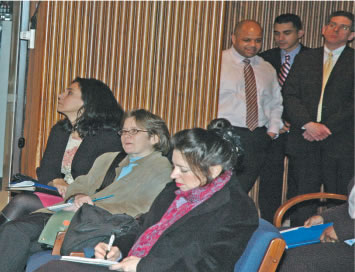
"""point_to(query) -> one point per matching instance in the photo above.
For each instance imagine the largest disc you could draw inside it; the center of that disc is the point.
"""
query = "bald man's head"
(246, 24)
(247, 38)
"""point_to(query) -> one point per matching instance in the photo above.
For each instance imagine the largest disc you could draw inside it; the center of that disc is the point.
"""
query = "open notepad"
(301, 236)
(87, 260)
(59, 207)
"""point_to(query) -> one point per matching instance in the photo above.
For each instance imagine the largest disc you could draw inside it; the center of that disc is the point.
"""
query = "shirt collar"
(292, 54)
(133, 159)
(240, 58)
(335, 52)
(138, 160)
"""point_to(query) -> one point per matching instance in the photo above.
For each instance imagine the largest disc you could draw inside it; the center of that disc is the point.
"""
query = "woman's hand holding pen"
(112, 255)
(128, 264)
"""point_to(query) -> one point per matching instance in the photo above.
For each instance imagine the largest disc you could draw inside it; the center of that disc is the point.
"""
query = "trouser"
(271, 179)
(325, 257)
(19, 240)
(313, 170)
(255, 144)
(21, 204)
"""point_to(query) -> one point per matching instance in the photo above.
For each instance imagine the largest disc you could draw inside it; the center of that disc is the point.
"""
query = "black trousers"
(314, 169)
(271, 179)
(19, 240)
(255, 144)
(325, 257)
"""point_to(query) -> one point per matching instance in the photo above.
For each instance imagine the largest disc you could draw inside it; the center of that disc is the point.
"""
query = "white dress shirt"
(232, 105)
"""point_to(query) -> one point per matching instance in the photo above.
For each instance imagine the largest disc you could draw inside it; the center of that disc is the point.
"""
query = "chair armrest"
(273, 255)
(77, 254)
(297, 199)
(58, 243)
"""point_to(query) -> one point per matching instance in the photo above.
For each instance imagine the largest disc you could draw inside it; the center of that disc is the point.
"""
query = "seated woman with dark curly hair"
(92, 119)
(200, 222)
(132, 178)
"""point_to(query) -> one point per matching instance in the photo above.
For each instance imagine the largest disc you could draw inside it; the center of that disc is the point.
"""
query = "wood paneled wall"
(162, 56)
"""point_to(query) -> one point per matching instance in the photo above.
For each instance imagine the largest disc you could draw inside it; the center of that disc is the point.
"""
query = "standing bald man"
(250, 98)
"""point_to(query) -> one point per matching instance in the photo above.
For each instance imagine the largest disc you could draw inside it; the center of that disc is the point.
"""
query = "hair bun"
(224, 129)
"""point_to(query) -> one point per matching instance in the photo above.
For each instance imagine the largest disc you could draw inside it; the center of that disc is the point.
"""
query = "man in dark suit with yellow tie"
(319, 102)
(288, 32)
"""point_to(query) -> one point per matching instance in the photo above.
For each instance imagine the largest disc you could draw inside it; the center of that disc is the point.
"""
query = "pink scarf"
(183, 203)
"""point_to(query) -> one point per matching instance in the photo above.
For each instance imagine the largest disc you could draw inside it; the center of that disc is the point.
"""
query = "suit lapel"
(279, 64)
(318, 69)
(338, 67)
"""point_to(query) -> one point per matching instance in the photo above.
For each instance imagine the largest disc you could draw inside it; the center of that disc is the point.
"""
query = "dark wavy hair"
(100, 110)
(155, 126)
(205, 148)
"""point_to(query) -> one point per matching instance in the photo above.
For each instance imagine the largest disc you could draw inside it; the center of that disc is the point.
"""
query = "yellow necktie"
(327, 69)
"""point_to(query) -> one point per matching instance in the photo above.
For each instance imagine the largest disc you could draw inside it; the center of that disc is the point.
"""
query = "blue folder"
(303, 236)
(30, 185)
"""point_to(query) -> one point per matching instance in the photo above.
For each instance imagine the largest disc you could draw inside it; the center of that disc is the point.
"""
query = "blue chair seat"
(40, 258)
(257, 246)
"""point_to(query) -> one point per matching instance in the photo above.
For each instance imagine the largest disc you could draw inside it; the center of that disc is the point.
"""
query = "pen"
(101, 198)
(110, 243)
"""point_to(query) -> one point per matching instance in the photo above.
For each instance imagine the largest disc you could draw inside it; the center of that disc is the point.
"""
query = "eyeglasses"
(344, 27)
(130, 132)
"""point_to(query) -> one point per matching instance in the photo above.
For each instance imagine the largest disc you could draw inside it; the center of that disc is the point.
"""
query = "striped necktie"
(285, 68)
(250, 96)
(327, 69)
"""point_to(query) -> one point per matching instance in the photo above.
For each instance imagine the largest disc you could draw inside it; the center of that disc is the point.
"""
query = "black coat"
(211, 237)
(90, 148)
(302, 92)
(274, 57)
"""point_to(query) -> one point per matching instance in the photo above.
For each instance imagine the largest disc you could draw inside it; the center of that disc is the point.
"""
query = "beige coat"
(134, 193)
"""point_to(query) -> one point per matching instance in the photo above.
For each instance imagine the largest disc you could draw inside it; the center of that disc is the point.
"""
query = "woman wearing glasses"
(142, 174)
(89, 129)
(134, 182)
(200, 222)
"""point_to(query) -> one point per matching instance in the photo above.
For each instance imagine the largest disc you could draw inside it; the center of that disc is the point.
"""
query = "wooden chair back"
(297, 199)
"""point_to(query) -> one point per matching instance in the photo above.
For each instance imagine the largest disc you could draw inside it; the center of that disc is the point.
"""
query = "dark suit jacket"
(302, 92)
(274, 56)
(211, 237)
(90, 148)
